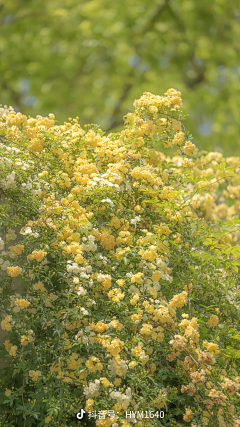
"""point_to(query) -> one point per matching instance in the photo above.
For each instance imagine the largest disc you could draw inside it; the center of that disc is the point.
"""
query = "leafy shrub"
(129, 261)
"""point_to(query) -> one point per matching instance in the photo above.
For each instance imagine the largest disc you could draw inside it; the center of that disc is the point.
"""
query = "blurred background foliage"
(93, 58)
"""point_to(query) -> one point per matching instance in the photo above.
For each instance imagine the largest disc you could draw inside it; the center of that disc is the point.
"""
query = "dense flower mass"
(126, 254)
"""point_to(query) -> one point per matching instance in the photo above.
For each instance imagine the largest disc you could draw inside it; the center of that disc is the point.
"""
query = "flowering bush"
(129, 261)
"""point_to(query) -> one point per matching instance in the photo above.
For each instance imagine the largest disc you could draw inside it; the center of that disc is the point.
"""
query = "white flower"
(135, 220)
(108, 201)
(81, 291)
(26, 230)
(89, 269)
(5, 265)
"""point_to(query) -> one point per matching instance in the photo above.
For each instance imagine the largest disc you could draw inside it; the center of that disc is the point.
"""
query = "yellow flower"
(105, 382)
(14, 271)
(188, 415)
(38, 255)
(34, 375)
(39, 286)
(213, 321)
(120, 282)
(17, 249)
(47, 420)
(22, 303)
(13, 350)
(211, 347)
(189, 147)
(179, 300)
(7, 345)
(24, 340)
(156, 276)
(135, 299)
(8, 392)
(132, 364)
(5, 325)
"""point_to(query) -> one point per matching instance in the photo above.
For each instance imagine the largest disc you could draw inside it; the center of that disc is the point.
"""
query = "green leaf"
(231, 352)
(90, 155)
(222, 166)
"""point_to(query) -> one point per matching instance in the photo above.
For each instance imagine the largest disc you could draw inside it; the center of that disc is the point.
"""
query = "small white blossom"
(135, 220)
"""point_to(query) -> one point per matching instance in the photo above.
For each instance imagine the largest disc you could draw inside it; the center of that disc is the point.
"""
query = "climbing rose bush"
(129, 263)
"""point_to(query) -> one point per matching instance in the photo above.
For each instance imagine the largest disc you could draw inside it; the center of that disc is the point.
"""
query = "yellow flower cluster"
(190, 389)
(137, 278)
(211, 347)
(198, 378)
(191, 329)
(134, 299)
(178, 138)
(140, 353)
(163, 316)
(22, 303)
(120, 282)
(14, 271)
(205, 358)
(146, 329)
(89, 405)
(171, 99)
(17, 249)
(105, 382)
(230, 386)
(90, 365)
(116, 325)
(107, 422)
(38, 255)
(99, 327)
(132, 364)
(136, 317)
(5, 323)
(179, 300)
(149, 307)
(34, 375)
(216, 396)
(106, 282)
(156, 276)
(116, 295)
(39, 286)
(149, 255)
(189, 147)
(26, 339)
(12, 349)
(188, 416)
(114, 346)
(213, 321)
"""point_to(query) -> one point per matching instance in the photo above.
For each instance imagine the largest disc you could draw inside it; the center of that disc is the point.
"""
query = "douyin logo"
(80, 414)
